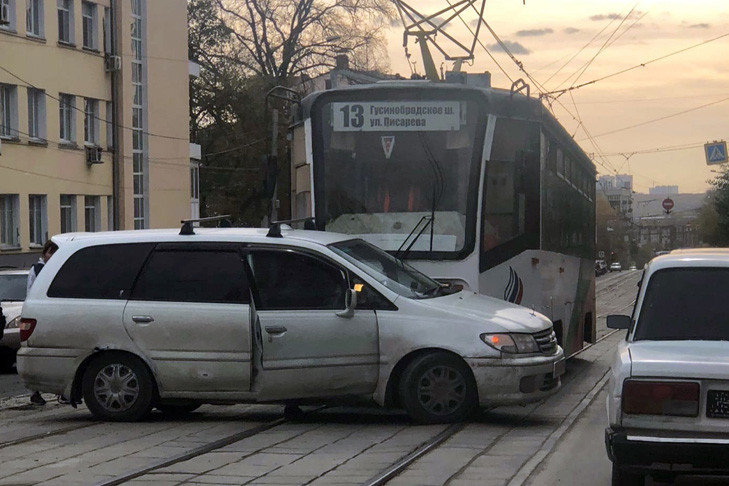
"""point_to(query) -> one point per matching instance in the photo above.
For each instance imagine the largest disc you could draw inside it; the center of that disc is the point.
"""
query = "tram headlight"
(511, 342)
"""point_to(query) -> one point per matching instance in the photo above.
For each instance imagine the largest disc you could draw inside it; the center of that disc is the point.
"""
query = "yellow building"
(94, 126)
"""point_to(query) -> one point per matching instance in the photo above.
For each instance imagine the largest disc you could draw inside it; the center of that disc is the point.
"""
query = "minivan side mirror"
(618, 322)
(350, 302)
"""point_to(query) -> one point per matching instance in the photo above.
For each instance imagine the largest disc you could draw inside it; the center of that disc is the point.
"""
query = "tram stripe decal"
(514, 290)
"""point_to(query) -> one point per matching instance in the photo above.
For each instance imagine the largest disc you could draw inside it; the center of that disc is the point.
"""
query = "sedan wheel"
(118, 387)
(438, 388)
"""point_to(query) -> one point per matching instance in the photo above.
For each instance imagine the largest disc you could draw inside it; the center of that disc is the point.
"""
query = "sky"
(651, 121)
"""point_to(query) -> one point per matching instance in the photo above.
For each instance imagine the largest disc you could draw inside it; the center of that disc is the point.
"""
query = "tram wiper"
(428, 219)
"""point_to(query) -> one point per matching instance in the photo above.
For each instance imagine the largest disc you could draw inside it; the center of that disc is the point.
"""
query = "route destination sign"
(363, 116)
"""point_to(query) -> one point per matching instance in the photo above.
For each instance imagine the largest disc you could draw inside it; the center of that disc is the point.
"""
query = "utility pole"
(274, 153)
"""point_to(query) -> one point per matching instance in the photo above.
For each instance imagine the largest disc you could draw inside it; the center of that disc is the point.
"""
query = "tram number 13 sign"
(396, 116)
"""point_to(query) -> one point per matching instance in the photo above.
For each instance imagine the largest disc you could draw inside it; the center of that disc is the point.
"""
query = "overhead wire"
(673, 115)
(643, 64)
(608, 42)
(74, 107)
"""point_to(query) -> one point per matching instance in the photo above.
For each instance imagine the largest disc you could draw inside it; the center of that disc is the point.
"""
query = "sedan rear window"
(685, 304)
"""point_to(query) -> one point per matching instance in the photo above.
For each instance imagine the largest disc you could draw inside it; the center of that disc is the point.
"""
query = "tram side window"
(560, 162)
(509, 204)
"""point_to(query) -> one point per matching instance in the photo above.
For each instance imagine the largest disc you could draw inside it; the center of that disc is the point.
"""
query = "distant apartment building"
(618, 190)
(93, 119)
(663, 190)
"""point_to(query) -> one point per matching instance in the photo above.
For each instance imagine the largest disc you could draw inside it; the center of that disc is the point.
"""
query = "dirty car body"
(302, 316)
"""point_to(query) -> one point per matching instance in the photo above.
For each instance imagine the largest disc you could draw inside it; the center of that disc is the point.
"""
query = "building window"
(7, 14)
(9, 221)
(8, 111)
(37, 219)
(88, 18)
(139, 171)
(91, 121)
(107, 30)
(65, 21)
(91, 213)
(36, 114)
(68, 213)
(34, 17)
(67, 117)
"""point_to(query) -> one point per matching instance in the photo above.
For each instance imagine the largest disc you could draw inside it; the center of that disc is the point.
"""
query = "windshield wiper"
(428, 218)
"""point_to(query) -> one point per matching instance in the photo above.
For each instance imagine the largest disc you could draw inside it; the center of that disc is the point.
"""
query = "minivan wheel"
(118, 387)
(621, 477)
(438, 388)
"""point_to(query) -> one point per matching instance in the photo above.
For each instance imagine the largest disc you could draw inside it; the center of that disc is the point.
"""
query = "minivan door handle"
(143, 318)
(276, 329)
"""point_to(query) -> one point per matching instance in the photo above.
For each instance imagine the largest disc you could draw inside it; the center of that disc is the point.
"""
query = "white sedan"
(668, 395)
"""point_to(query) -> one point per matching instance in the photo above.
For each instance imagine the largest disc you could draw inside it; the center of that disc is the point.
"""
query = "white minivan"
(170, 319)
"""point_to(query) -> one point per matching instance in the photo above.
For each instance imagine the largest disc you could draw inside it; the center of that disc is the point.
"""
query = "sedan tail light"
(27, 326)
(678, 398)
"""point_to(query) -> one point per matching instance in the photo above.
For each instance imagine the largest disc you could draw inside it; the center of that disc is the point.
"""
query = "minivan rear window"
(685, 304)
(100, 272)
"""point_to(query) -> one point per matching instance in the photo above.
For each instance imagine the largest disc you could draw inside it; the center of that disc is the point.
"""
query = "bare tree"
(281, 39)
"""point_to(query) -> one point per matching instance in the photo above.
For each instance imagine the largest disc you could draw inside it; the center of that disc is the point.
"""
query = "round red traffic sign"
(668, 204)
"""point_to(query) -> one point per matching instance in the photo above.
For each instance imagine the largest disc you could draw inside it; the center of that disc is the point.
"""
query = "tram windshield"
(401, 173)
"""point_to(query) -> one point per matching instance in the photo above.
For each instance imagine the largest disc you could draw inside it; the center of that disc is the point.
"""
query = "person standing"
(48, 250)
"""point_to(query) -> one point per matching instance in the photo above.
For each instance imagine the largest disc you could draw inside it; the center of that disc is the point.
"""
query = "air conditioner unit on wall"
(93, 154)
(112, 63)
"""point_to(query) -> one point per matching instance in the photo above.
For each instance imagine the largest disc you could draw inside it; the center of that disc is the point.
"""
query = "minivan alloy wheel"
(119, 387)
(116, 387)
(438, 387)
(441, 390)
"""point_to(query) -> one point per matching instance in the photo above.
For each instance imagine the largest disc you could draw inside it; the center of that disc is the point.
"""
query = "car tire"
(448, 378)
(621, 477)
(178, 409)
(7, 360)
(118, 387)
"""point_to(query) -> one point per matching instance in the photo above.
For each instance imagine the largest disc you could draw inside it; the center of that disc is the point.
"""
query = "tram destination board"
(396, 116)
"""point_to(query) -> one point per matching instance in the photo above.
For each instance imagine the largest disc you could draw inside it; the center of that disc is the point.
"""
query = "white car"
(171, 319)
(668, 393)
(12, 294)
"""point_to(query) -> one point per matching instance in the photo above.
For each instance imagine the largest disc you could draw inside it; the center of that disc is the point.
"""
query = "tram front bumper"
(517, 381)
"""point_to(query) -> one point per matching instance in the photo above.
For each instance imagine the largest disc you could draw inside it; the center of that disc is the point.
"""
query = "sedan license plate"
(717, 404)
(559, 368)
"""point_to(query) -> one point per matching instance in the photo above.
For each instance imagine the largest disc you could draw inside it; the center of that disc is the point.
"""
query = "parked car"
(633, 267)
(601, 267)
(287, 316)
(12, 294)
(616, 267)
(668, 393)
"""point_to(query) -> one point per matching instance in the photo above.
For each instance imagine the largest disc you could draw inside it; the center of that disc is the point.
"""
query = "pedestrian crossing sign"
(715, 153)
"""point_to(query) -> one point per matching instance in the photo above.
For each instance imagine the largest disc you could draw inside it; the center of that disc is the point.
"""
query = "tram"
(475, 186)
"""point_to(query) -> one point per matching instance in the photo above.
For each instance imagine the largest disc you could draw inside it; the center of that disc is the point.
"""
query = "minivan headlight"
(511, 342)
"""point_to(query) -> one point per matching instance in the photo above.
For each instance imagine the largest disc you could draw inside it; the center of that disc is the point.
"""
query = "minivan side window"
(291, 280)
(100, 272)
(214, 276)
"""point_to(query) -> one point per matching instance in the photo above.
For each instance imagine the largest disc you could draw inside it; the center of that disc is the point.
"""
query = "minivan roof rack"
(187, 228)
(274, 228)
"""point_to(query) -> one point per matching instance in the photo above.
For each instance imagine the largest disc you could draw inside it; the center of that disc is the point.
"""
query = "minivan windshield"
(13, 287)
(685, 304)
(391, 272)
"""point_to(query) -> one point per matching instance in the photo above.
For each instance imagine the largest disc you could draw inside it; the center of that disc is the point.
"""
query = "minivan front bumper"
(517, 381)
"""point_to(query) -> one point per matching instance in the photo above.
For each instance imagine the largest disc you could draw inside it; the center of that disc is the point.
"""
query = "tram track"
(381, 478)
(429, 441)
